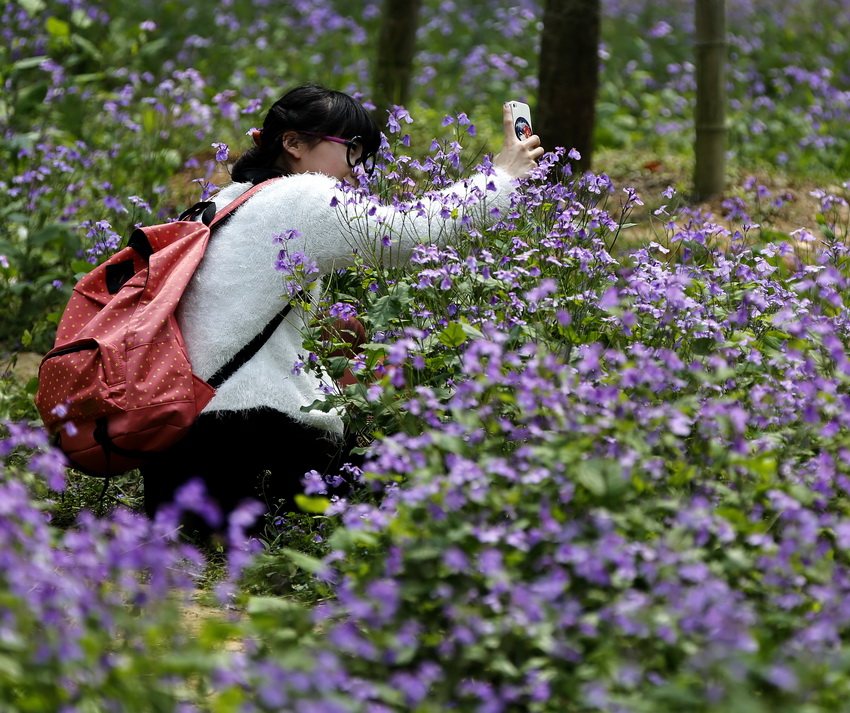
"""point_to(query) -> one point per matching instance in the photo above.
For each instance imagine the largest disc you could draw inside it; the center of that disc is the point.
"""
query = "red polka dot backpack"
(117, 387)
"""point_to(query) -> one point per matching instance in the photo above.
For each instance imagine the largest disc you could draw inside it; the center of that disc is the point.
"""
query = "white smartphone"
(522, 120)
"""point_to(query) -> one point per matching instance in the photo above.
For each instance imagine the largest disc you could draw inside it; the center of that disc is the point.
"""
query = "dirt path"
(24, 365)
(195, 615)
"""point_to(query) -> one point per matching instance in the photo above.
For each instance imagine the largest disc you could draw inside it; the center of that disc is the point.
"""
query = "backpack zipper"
(90, 344)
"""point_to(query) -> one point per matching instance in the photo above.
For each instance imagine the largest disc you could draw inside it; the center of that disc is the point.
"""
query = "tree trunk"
(569, 76)
(710, 118)
(396, 50)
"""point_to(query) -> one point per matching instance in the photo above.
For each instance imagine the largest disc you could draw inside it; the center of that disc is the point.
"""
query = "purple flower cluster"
(71, 599)
(620, 468)
(629, 508)
(88, 608)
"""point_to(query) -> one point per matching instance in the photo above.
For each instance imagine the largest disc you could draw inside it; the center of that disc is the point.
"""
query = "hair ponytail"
(258, 163)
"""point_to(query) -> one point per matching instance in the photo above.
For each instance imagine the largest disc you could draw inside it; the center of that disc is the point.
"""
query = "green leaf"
(150, 120)
(11, 669)
(337, 366)
(81, 267)
(57, 28)
(81, 19)
(153, 47)
(681, 474)
(590, 476)
(735, 517)
(28, 62)
(274, 605)
(347, 540)
(304, 561)
(453, 335)
(50, 233)
(33, 7)
(471, 331)
(603, 478)
(30, 98)
(229, 700)
(774, 339)
(384, 310)
(91, 50)
(311, 504)
(801, 494)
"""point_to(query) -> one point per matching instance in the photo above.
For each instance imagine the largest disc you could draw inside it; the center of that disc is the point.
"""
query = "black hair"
(310, 108)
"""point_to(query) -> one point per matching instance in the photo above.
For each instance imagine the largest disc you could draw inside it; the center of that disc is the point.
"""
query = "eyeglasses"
(354, 148)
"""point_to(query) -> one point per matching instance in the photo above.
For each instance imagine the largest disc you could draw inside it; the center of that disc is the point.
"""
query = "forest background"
(611, 454)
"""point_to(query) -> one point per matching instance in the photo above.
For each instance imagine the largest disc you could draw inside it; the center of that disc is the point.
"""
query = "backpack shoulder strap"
(231, 207)
(212, 218)
(246, 353)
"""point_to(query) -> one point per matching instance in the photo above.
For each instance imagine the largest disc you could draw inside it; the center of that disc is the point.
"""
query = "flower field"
(611, 456)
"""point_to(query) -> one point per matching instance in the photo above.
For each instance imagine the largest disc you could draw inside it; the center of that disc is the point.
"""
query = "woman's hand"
(517, 158)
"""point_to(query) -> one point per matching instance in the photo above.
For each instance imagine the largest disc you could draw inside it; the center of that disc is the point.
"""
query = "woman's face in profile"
(327, 157)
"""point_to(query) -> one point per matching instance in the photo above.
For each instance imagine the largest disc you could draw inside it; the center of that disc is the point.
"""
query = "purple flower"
(314, 484)
(221, 151)
(207, 187)
(113, 203)
(455, 559)
(300, 269)
(193, 497)
(51, 465)
(252, 107)
(544, 289)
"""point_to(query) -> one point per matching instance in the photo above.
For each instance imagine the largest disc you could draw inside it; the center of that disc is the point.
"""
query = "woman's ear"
(292, 144)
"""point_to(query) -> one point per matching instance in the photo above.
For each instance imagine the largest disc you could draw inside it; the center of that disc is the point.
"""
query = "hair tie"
(257, 135)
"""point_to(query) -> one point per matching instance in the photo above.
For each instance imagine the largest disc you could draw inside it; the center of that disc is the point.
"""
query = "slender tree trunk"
(710, 119)
(569, 76)
(396, 50)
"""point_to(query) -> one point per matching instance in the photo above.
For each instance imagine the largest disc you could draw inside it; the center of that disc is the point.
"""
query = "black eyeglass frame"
(367, 160)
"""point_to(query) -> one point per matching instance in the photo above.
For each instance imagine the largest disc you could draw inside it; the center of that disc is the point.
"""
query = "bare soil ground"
(23, 365)
(195, 615)
(799, 208)
(799, 205)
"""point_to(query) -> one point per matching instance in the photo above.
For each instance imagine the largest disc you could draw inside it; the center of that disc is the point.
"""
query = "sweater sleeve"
(332, 224)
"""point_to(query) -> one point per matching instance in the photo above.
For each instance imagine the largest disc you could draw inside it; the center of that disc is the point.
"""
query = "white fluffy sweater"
(236, 290)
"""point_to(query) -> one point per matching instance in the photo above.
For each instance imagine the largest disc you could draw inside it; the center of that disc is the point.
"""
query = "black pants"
(260, 454)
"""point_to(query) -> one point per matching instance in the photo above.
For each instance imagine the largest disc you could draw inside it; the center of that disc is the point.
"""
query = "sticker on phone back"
(522, 128)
